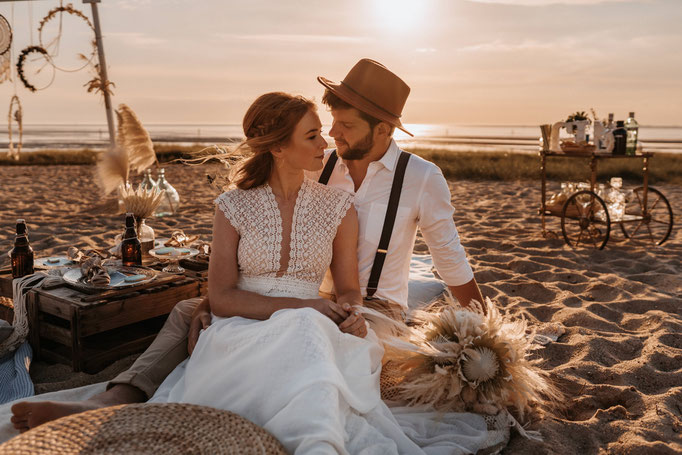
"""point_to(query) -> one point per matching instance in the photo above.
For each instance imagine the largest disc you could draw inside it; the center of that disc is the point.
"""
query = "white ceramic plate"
(121, 277)
(53, 262)
(169, 252)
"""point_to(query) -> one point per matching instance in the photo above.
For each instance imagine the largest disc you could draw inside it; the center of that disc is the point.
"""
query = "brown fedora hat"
(371, 88)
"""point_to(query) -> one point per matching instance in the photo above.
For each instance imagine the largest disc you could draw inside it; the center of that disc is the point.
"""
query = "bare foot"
(27, 414)
(30, 414)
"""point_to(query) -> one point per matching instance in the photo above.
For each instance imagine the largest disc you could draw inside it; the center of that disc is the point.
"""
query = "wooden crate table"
(6, 310)
(90, 331)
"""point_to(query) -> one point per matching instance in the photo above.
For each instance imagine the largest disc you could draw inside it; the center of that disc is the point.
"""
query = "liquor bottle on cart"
(21, 255)
(131, 249)
(619, 138)
(632, 129)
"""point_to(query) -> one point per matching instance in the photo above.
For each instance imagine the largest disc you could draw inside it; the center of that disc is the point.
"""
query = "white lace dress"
(296, 375)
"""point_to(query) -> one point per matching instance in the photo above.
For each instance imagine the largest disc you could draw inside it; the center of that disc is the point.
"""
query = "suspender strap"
(389, 221)
(328, 168)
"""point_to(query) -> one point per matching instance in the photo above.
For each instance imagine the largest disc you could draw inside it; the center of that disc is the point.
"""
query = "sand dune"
(619, 362)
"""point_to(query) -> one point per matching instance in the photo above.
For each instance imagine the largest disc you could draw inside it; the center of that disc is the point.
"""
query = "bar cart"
(585, 218)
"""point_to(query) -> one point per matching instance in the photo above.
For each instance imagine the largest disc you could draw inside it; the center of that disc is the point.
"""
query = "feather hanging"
(134, 151)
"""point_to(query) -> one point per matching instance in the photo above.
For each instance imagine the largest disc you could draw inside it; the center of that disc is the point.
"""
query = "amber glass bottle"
(131, 249)
(21, 255)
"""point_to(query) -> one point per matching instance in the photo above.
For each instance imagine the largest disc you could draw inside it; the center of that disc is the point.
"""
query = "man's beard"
(359, 150)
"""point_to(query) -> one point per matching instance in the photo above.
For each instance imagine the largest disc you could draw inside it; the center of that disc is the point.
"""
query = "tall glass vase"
(170, 200)
(146, 236)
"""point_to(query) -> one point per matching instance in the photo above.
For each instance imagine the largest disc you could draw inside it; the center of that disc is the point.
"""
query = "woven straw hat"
(165, 429)
(370, 87)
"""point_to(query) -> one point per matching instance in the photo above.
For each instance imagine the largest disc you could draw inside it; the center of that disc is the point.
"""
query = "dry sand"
(619, 363)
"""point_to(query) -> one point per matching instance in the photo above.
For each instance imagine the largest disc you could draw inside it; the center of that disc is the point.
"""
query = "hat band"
(370, 101)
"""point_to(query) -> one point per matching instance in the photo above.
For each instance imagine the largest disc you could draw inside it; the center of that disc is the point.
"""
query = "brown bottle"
(131, 250)
(21, 255)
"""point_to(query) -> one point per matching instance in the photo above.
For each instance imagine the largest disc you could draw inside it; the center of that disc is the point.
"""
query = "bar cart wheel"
(585, 220)
(652, 224)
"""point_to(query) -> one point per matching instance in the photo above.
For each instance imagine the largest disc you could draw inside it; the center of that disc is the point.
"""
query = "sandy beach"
(619, 362)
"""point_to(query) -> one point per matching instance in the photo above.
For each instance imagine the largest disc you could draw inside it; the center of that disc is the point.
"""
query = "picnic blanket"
(20, 287)
(15, 382)
(423, 285)
(15, 352)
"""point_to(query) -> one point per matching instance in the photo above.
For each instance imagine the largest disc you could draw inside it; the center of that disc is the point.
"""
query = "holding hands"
(354, 323)
(347, 317)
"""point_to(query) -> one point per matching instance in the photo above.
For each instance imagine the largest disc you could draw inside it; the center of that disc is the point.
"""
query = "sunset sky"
(502, 62)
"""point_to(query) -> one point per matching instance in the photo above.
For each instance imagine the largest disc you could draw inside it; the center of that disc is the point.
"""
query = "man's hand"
(332, 310)
(201, 319)
(354, 325)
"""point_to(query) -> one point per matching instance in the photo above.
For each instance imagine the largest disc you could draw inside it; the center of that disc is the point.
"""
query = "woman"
(302, 367)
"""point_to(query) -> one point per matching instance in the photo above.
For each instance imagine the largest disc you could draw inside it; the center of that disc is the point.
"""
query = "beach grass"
(663, 167)
(478, 165)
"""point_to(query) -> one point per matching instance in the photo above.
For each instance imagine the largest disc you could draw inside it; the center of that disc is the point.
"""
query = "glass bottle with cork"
(170, 200)
(632, 129)
(21, 255)
(131, 249)
(148, 183)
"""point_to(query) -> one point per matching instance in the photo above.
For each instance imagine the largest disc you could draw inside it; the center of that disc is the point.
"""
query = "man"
(366, 107)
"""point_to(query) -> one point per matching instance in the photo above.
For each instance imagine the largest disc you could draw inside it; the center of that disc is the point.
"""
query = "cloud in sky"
(293, 38)
(550, 2)
(136, 38)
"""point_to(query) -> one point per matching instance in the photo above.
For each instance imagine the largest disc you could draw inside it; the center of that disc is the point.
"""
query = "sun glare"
(399, 15)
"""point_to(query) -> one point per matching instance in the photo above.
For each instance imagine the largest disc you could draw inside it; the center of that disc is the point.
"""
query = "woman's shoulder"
(236, 194)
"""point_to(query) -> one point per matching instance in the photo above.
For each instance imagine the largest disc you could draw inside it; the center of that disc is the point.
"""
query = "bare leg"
(27, 414)
(136, 385)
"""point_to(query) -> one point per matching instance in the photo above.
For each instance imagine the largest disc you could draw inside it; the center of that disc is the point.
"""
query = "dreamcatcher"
(5, 45)
(15, 114)
(50, 50)
(57, 12)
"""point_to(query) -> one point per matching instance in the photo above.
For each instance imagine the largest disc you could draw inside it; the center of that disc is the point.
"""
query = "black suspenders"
(389, 219)
(328, 168)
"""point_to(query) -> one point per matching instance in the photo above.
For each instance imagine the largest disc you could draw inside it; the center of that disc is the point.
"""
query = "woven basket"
(160, 429)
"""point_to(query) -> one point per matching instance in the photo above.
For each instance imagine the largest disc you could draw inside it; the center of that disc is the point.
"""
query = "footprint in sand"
(674, 340)
(606, 401)
(666, 363)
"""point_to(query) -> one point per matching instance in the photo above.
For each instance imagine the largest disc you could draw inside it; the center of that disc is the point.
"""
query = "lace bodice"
(254, 213)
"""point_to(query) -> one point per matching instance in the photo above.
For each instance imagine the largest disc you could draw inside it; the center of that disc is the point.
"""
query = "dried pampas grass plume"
(140, 202)
(135, 139)
(454, 359)
(134, 151)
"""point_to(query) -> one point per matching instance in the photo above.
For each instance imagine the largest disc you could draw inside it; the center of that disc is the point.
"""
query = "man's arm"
(467, 292)
(441, 236)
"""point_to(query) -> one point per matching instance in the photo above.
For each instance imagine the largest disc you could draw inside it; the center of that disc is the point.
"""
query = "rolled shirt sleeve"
(440, 233)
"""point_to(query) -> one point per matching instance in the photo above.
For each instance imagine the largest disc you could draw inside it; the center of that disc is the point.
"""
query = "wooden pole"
(103, 71)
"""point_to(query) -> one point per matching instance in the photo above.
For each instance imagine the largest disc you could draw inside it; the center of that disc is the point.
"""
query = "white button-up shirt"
(424, 203)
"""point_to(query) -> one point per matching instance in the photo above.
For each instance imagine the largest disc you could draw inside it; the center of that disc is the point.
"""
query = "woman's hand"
(354, 324)
(332, 310)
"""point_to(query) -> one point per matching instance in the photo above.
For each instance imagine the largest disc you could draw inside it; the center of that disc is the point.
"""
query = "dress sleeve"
(226, 202)
(343, 203)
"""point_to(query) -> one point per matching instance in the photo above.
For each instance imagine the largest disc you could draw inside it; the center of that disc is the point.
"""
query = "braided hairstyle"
(268, 123)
